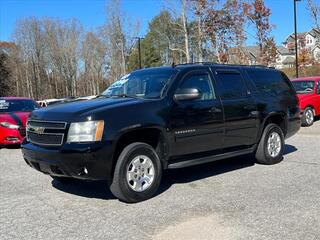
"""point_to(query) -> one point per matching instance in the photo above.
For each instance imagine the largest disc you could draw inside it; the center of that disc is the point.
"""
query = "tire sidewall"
(270, 129)
(129, 153)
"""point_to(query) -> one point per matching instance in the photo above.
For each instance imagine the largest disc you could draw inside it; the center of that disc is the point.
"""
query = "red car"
(308, 91)
(14, 113)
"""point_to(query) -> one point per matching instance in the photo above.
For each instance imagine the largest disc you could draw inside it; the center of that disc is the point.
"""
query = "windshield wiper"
(123, 95)
(102, 96)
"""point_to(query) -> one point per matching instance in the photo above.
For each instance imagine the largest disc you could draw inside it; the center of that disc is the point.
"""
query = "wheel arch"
(152, 135)
(310, 106)
(278, 118)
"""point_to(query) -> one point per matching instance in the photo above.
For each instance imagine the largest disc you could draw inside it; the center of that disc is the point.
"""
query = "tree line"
(53, 58)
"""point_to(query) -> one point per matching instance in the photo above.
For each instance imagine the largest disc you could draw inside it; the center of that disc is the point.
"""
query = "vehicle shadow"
(99, 189)
(88, 189)
(203, 171)
(10, 147)
(289, 149)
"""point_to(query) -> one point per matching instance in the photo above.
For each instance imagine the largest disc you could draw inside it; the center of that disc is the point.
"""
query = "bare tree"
(94, 58)
(180, 10)
(119, 35)
(29, 35)
(63, 52)
(314, 9)
(200, 8)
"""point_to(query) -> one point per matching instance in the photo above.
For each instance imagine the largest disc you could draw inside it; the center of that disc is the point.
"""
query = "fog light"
(83, 171)
(12, 139)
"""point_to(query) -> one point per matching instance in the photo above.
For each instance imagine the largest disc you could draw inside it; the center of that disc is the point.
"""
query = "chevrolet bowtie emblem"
(37, 130)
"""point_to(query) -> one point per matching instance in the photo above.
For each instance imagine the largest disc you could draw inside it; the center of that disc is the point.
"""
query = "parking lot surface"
(229, 199)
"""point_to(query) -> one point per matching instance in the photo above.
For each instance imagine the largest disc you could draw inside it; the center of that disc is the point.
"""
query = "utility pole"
(296, 36)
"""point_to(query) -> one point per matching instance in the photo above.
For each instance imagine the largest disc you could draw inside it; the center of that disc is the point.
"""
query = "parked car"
(164, 118)
(308, 91)
(14, 112)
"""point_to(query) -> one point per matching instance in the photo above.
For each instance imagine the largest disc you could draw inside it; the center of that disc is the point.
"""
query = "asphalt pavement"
(229, 199)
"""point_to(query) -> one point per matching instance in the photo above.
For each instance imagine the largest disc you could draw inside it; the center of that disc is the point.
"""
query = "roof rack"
(220, 64)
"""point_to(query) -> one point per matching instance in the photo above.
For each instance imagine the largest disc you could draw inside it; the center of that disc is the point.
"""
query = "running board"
(196, 161)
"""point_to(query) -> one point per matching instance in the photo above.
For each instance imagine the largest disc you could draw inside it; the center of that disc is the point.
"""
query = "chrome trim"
(65, 123)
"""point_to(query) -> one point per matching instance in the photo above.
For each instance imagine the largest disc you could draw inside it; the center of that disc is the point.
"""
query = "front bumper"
(82, 161)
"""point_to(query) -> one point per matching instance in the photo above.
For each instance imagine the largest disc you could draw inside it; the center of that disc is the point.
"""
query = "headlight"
(90, 131)
(9, 125)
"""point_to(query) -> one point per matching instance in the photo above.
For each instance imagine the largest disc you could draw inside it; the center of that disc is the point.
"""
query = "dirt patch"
(203, 228)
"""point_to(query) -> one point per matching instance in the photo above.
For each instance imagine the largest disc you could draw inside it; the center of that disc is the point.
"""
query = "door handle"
(215, 110)
(249, 107)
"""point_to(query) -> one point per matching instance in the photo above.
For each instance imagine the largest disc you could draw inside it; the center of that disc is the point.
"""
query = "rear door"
(240, 111)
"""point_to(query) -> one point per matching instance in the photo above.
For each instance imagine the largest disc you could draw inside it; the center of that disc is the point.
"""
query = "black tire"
(307, 118)
(120, 186)
(263, 155)
(63, 180)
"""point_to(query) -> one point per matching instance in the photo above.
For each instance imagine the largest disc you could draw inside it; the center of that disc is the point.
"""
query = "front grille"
(46, 133)
(45, 139)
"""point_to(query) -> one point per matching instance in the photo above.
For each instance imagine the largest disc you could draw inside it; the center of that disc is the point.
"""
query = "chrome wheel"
(274, 144)
(309, 116)
(140, 173)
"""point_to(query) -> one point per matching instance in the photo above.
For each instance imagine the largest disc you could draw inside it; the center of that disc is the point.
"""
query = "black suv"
(164, 118)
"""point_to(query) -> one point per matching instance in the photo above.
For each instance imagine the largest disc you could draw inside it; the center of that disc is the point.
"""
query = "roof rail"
(220, 64)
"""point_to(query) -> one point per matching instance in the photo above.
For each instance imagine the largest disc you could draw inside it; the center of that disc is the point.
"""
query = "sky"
(91, 14)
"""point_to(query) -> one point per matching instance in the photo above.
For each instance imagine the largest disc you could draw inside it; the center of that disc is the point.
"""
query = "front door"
(197, 125)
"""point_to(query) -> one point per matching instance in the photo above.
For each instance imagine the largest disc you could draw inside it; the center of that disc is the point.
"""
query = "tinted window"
(231, 85)
(202, 82)
(17, 105)
(268, 80)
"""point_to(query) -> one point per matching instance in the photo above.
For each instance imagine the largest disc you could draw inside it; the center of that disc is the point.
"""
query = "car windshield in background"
(17, 106)
(144, 84)
(303, 87)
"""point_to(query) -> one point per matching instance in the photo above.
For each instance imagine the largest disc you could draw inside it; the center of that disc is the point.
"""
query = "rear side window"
(231, 85)
(269, 81)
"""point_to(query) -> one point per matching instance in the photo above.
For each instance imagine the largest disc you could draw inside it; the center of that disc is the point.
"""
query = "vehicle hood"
(18, 118)
(78, 109)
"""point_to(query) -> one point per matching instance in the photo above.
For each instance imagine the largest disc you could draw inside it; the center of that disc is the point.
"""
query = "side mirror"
(187, 94)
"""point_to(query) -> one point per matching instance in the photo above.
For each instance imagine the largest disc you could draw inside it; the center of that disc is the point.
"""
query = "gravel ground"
(229, 199)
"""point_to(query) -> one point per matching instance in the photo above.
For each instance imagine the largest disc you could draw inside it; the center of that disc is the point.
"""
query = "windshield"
(17, 105)
(303, 87)
(145, 84)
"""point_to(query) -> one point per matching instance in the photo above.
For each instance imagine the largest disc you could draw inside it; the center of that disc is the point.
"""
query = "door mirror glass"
(187, 94)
